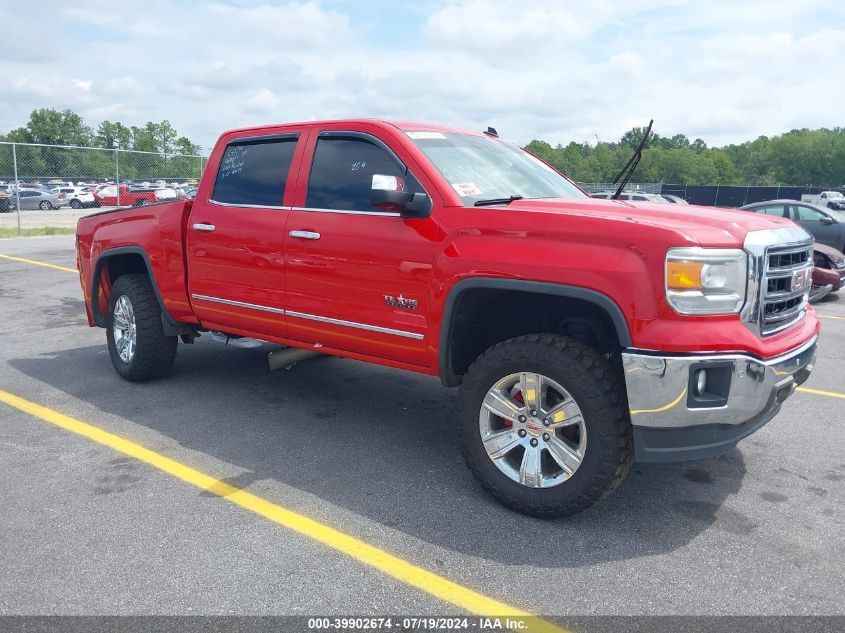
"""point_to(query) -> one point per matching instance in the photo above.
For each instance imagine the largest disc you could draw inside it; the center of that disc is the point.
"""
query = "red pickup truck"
(582, 333)
(111, 196)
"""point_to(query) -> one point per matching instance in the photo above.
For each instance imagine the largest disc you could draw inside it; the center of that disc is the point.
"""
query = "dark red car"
(829, 271)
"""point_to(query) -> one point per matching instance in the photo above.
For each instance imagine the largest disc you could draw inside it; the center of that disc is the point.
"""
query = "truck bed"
(152, 236)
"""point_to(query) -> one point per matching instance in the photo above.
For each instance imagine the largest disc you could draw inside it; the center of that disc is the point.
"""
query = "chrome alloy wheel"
(123, 328)
(532, 430)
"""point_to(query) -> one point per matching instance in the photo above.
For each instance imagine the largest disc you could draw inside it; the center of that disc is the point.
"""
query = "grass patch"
(44, 230)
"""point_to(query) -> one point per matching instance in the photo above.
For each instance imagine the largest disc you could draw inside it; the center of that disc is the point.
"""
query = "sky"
(559, 71)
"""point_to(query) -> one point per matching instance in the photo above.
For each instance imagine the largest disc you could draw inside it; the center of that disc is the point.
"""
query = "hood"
(834, 254)
(708, 226)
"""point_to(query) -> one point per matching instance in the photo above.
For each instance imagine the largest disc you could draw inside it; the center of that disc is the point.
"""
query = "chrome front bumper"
(673, 421)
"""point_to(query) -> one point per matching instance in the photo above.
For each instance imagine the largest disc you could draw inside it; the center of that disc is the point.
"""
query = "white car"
(77, 197)
(637, 196)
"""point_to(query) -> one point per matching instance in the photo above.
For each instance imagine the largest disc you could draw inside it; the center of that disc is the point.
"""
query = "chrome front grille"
(785, 287)
(780, 267)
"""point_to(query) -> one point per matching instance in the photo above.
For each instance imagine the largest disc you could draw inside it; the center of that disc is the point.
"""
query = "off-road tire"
(599, 392)
(154, 352)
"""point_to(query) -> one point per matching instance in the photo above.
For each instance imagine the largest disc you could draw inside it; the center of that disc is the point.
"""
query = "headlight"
(706, 280)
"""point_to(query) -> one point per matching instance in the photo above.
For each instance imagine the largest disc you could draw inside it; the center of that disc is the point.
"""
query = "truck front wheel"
(544, 426)
(138, 348)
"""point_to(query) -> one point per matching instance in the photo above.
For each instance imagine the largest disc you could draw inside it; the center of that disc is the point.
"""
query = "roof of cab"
(405, 126)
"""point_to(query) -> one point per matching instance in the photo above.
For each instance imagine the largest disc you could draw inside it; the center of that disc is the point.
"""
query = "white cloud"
(263, 101)
(725, 71)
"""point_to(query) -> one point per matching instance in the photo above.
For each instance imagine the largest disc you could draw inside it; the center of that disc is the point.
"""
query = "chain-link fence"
(43, 177)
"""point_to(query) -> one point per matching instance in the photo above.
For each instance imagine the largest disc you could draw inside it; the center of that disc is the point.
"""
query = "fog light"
(700, 381)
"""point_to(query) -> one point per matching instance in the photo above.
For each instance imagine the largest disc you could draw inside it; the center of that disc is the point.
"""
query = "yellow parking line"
(387, 563)
(821, 392)
(830, 316)
(37, 263)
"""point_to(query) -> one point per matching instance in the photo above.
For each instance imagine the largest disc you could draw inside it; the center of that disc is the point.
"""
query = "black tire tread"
(603, 388)
(154, 352)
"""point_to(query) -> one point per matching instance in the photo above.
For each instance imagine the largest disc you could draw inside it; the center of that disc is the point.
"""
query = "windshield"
(484, 168)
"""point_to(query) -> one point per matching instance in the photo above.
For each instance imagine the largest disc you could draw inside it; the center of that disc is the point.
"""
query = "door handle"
(305, 235)
(208, 228)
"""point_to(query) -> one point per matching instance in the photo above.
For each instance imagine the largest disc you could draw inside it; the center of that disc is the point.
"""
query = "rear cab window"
(253, 171)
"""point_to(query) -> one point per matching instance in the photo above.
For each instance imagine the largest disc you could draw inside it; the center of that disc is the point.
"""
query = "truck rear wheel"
(138, 348)
(543, 425)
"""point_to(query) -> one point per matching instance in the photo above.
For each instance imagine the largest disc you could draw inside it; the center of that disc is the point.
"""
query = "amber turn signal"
(683, 275)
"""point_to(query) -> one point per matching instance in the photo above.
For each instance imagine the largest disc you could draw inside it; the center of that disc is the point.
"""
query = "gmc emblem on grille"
(801, 279)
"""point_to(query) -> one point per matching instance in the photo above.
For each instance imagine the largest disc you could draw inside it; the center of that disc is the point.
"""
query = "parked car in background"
(38, 199)
(188, 190)
(169, 194)
(673, 199)
(829, 271)
(826, 225)
(52, 184)
(108, 196)
(5, 206)
(635, 196)
(829, 199)
(77, 197)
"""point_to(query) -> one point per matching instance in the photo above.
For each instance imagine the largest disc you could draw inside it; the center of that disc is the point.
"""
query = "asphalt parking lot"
(370, 451)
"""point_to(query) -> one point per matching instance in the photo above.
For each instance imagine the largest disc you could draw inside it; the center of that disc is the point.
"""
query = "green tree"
(53, 127)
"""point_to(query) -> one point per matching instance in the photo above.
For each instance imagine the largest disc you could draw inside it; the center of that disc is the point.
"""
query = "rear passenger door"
(26, 199)
(235, 237)
(358, 277)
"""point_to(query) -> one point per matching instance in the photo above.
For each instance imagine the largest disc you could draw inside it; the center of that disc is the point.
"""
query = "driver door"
(819, 224)
(358, 277)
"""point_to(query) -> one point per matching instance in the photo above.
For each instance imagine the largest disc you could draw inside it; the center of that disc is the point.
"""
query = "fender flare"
(601, 300)
(171, 326)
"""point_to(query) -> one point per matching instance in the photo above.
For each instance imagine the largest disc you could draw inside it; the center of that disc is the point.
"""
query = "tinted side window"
(806, 214)
(342, 173)
(777, 210)
(254, 172)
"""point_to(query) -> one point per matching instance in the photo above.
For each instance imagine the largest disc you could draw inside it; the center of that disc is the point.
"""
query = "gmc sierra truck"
(582, 333)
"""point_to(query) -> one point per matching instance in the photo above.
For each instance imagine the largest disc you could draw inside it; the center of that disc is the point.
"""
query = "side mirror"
(826, 219)
(387, 192)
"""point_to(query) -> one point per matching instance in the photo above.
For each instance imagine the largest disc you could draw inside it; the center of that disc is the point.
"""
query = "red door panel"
(358, 278)
(235, 235)
(345, 275)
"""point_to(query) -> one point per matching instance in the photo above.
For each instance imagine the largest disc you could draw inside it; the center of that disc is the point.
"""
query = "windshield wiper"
(632, 163)
(492, 201)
